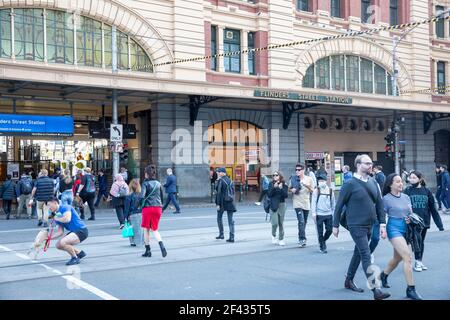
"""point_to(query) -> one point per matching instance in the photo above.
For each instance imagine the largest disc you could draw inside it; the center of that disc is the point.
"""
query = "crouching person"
(322, 208)
(67, 218)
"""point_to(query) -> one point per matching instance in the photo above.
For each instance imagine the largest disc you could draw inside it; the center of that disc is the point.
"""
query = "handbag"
(267, 204)
(127, 231)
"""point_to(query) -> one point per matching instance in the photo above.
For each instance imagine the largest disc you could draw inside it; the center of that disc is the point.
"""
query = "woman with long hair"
(423, 204)
(397, 205)
(132, 211)
(278, 192)
(152, 199)
(65, 188)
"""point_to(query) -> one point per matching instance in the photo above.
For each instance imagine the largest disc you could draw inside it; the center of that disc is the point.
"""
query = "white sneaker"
(372, 258)
(423, 266)
(417, 266)
(282, 243)
(274, 240)
(258, 203)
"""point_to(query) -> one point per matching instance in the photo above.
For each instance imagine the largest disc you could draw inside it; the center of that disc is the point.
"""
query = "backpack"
(26, 186)
(123, 192)
(318, 196)
(90, 184)
(229, 193)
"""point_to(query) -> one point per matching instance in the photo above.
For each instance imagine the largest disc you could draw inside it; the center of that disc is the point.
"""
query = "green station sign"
(270, 94)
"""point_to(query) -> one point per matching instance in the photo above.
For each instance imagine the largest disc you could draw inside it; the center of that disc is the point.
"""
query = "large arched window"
(348, 73)
(59, 37)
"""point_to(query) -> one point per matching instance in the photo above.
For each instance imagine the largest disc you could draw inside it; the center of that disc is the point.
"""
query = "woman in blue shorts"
(397, 205)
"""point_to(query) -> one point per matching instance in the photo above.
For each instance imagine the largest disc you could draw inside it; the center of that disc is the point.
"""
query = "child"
(133, 211)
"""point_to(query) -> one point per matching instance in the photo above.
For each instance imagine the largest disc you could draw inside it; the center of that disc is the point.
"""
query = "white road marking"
(72, 279)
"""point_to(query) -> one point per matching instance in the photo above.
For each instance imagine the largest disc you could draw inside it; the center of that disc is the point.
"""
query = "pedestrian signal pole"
(115, 157)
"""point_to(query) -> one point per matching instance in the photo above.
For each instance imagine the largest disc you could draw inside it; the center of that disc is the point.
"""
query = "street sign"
(116, 133)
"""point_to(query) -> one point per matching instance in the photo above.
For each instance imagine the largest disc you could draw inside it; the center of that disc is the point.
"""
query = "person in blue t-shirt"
(67, 218)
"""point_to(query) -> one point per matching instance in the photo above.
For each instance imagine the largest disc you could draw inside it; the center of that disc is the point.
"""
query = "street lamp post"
(395, 125)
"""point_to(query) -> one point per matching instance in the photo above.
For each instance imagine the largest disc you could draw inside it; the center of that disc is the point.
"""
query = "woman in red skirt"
(152, 197)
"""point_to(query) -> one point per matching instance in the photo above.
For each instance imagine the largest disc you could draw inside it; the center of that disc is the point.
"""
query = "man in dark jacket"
(171, 190)
(102, 187)
(7, 195)
(224, 190)
(364, 206)
(445, 188)
(439, 186)
(43, 191)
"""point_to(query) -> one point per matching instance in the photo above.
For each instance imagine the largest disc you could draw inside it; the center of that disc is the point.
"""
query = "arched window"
(348, 73)
(61, 37)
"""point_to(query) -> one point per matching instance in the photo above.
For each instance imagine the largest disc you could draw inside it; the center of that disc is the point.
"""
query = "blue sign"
(30, 125)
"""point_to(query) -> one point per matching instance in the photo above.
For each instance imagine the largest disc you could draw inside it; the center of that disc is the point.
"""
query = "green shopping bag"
(127, 231)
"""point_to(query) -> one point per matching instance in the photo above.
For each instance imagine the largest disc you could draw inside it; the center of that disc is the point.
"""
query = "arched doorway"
(240, 147)
(442, 147)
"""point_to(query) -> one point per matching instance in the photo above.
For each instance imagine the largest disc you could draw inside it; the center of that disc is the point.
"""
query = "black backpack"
(26, 186)
(229, 193)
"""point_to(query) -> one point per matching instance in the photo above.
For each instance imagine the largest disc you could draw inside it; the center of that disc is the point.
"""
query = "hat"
(221, 170)
(321, 177)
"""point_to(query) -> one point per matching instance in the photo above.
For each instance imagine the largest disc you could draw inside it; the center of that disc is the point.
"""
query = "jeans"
(89, 198)
(230, 222)
(67, 197)
(277, 220)
(302, 216)
(360, 236)
(171, 197)
(101, 193)
(119, 213)
(438, 198)
(375, 238)
(7, 206)
(328, 222)
(24, 199)
(418, 255)
(445, 198)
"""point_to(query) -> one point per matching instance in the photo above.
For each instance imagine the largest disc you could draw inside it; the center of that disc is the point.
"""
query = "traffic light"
(390, 143)
(124, 154)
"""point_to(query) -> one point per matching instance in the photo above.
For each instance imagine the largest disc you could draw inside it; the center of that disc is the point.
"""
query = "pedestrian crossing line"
(78, 282)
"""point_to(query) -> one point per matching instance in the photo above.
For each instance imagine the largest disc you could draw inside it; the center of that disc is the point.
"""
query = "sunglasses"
(299, 169)
(275, 175)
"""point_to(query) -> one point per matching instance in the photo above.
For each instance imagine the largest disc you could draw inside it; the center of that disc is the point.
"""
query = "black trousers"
(418, 255)
(361, 237)
(326, 221)
(7, 206)
(89, 198)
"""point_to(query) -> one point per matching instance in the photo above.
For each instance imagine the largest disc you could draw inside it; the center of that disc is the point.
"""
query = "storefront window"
(29, 35)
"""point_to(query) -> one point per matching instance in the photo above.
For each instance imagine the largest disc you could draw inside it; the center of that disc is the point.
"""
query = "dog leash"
(50, 234)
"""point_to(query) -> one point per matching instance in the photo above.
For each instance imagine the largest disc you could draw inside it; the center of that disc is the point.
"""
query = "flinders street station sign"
(270, 94)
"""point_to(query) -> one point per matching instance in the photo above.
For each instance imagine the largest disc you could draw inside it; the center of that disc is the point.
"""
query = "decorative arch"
(115, 14)
(352, 46)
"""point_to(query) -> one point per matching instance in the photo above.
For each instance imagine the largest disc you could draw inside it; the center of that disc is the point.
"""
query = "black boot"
(7, 216)
(412, 294)
(349, 284)
(383, 278)
(163, 250)
(220, 236)
(231, 238)
(147, 252)
(380, 295)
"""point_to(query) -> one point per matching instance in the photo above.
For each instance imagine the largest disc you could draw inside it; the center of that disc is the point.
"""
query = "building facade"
(319, 102)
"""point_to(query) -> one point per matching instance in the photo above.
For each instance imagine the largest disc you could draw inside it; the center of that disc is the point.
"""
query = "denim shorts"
(396, 227)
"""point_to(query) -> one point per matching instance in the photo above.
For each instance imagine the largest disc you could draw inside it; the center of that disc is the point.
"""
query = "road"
(199, 267)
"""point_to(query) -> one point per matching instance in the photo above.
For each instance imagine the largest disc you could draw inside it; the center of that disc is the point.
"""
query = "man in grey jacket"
(362, 198)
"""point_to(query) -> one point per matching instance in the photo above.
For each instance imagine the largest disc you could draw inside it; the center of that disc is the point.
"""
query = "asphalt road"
(199, 267)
